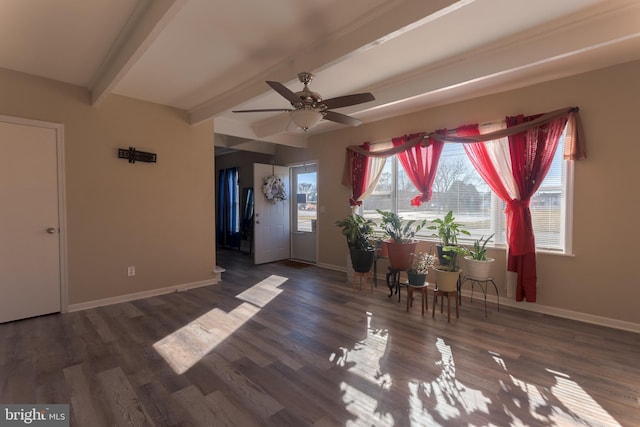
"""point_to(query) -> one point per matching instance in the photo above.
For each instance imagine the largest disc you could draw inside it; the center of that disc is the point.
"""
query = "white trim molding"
(139, 295)
(559, 312)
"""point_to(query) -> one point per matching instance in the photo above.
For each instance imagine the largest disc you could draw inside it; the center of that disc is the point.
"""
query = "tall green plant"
(359, 232)
(447, 229)
(396, 229)
(450, 258)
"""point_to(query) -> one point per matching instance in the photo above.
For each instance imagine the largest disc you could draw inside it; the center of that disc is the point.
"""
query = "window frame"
(497, 216)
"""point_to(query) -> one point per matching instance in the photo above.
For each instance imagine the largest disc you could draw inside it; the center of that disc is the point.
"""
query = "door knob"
(51, 230)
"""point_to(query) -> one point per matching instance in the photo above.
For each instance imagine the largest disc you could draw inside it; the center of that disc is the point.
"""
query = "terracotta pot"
(400, 254)
(381, 249)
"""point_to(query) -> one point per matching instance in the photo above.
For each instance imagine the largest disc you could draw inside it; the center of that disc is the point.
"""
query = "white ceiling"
(209, 57)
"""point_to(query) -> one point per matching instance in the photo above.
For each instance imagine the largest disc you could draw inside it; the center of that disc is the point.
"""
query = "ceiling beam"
(380, 25)
(536, 48)
(145, 24)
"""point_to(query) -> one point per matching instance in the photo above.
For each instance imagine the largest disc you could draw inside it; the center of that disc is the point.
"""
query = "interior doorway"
(32, 274)
(304, 212)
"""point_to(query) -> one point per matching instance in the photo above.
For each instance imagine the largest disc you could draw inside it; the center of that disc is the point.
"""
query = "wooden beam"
(147, 21)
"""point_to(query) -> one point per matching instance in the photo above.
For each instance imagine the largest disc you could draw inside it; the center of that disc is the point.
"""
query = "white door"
(304, 196)
(271, 220)
(30, 280)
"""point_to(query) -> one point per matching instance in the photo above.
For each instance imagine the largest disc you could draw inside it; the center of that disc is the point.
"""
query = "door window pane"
(307, 201)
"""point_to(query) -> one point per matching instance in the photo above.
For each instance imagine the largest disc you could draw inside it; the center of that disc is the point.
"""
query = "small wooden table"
(423, 289)
(438, 293)
(361, 279)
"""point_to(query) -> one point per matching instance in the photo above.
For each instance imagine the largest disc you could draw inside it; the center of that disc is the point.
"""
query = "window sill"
(504, 248)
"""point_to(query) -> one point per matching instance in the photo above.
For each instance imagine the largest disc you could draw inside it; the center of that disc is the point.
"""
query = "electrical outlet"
(131, 271)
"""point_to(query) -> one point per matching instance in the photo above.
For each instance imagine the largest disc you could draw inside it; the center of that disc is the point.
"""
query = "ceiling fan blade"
(285, 92)
(341, 118)
(347, 100)
(263, 110)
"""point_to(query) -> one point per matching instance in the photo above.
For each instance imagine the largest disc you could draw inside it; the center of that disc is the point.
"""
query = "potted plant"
(359, 233)
(448, 270)
(420, 264)
(400, 243)
(478, 264)
(448, 231)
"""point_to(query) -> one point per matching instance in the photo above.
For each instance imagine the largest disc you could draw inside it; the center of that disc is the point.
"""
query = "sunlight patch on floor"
(564, 403)
(446, 396)
(188, 345)
(364, 361)
(446, 399)
(578, 402)
(364, 407)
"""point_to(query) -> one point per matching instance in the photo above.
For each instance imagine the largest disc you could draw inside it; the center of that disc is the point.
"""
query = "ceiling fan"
(309, 107)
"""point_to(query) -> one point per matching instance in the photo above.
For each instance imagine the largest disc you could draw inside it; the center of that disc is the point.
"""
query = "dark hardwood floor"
(285, 344)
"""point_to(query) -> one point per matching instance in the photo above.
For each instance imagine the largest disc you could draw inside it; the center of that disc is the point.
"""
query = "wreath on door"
(274, 189)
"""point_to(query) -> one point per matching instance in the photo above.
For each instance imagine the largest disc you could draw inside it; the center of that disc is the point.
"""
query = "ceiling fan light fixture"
(305, 118)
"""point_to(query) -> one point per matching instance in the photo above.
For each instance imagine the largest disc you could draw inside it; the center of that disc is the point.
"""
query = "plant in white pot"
(478, 264)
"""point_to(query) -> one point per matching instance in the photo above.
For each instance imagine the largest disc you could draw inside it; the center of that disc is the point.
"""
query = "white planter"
(478, 269)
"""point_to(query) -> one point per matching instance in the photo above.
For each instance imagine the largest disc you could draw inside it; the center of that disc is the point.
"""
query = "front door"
(271, 217)
(30, 267)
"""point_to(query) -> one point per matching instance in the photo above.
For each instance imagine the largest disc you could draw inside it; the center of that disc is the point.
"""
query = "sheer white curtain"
(376, 165)
(499, 154)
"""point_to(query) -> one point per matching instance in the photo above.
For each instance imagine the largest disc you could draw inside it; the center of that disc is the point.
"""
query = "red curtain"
(531, 153)
(481, 160)
(359, 170)
(531, 156)
(420, 163)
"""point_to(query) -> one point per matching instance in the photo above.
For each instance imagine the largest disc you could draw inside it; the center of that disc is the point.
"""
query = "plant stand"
(424, 290)
(438, 293)
(483, 283)
(379, 255)
(361, 279)
(393, 282)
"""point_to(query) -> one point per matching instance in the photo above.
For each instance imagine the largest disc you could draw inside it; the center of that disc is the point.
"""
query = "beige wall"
(599, 279)
(158, 217)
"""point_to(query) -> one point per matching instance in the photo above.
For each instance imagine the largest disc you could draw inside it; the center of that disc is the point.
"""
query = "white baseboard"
(331, 267)
(139, 295)
(559, 312)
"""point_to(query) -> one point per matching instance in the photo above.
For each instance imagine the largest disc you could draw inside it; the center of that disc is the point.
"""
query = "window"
(305, 184)
(459, 188)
